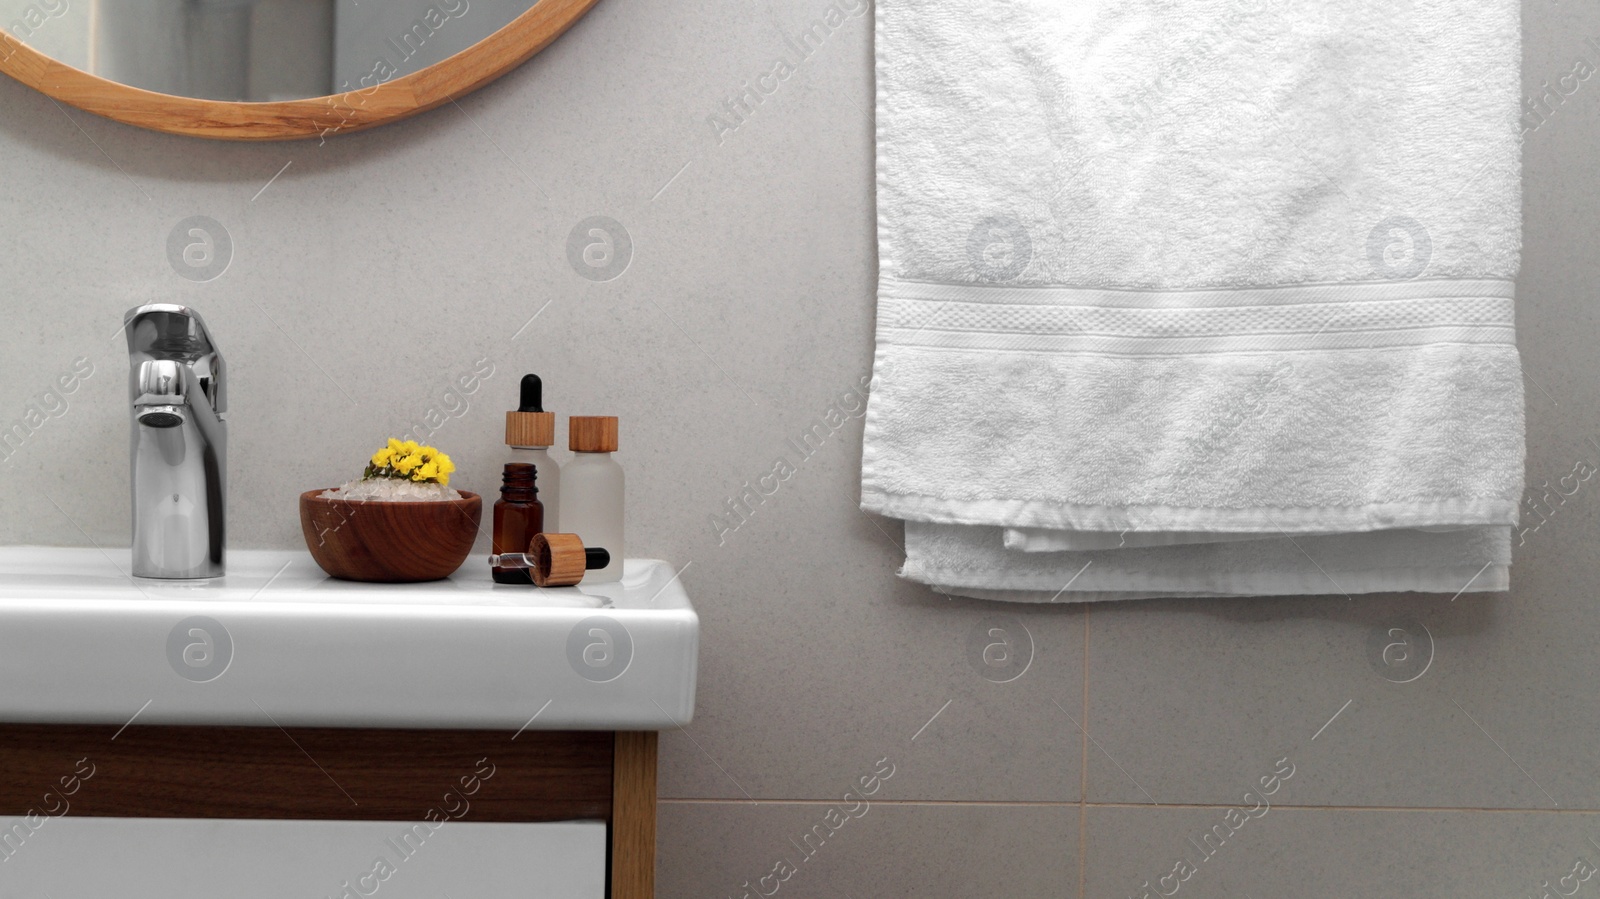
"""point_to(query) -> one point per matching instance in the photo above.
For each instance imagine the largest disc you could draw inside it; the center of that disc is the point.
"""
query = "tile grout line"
(1191, 806)
(1083, 775)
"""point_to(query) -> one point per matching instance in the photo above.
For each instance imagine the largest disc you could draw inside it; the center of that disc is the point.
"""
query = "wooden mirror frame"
(320, 117)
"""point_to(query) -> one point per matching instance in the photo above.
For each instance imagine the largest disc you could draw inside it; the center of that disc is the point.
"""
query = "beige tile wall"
(366, 274)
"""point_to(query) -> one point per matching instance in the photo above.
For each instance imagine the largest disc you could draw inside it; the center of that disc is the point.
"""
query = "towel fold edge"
(1491, 578)
(1293, 520)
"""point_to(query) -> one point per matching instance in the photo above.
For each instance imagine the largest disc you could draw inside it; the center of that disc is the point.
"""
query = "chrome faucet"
(179, 447)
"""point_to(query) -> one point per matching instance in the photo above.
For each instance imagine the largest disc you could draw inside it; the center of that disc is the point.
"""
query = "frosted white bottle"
(529, 432)
(592, 493)
(549, 482)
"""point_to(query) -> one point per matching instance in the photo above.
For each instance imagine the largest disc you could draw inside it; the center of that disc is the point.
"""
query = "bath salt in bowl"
(400, 522)
(386, 490)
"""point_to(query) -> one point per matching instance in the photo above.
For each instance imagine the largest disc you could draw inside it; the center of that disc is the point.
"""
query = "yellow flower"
(411, 461)
(442, 467)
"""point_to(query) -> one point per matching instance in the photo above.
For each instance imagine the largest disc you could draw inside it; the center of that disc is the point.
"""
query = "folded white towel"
(968, 560)
(1202, 275)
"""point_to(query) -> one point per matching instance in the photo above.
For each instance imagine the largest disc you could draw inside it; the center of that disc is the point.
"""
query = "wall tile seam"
(1187, 806)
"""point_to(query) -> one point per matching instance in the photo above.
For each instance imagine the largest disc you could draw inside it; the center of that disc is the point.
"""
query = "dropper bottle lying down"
(553, 560)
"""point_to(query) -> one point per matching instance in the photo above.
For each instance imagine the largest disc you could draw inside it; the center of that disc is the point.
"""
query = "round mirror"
(270, 69)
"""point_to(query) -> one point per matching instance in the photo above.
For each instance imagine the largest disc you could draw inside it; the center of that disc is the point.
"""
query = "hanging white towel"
(1197, 292)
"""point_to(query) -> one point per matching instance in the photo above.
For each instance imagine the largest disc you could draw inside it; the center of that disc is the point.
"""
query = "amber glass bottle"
(518, 515)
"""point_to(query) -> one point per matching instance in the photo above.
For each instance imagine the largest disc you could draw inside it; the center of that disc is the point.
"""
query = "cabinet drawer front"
(143, 858)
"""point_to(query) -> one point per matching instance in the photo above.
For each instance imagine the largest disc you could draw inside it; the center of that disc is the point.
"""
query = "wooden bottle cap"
(558, 559)
(592, 433)
(530, 428)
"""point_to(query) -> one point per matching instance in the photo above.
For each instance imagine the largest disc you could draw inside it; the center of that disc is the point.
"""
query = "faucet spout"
(179, 442)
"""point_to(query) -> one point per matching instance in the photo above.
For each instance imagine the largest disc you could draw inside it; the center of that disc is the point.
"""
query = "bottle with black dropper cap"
(530, 432)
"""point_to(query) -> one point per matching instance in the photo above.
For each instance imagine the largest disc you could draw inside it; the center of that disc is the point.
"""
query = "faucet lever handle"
(170, 333)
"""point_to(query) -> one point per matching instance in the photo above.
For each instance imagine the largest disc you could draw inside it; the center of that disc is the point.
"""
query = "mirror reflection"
(253, 50)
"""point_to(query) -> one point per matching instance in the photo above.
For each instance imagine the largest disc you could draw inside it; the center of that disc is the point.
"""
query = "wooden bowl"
(390, 542)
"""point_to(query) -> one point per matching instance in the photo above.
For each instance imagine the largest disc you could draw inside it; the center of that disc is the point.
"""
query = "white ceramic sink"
(278, 642)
